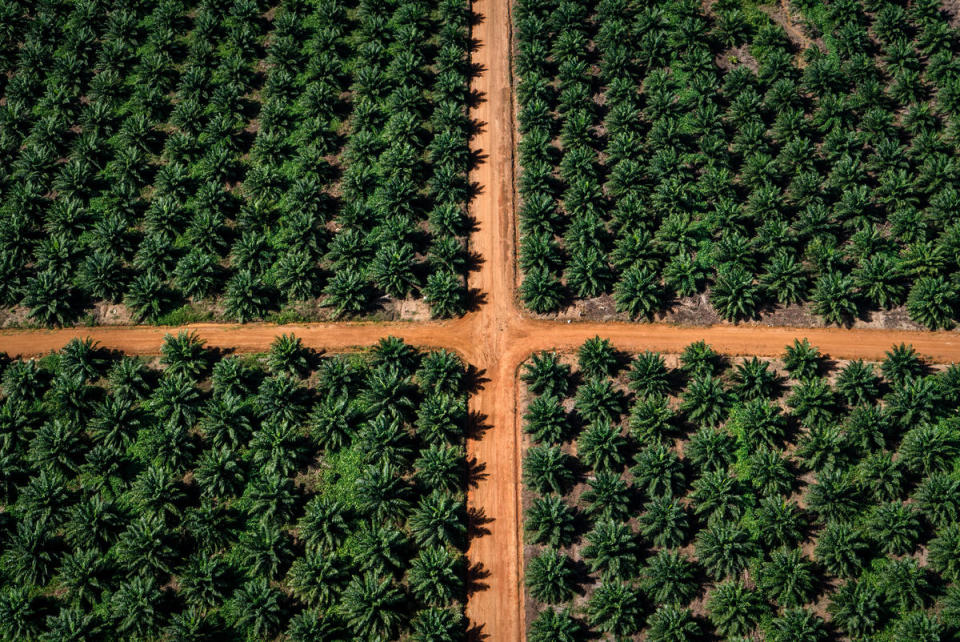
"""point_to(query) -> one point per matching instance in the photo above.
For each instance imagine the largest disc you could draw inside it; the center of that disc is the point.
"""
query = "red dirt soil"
(497, 338)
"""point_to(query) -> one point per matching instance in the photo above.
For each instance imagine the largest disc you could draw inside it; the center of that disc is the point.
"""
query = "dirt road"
(496, 338)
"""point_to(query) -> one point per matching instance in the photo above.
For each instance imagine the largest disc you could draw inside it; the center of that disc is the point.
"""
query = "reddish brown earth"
(496, 338)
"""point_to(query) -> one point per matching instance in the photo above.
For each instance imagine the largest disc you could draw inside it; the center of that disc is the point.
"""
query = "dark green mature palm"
(597, 399)
(550, 577)
(382, 494)
(901, 363)
(612, 550)
(779, 522)
(944, 553)
(917, 401)
(82, 357)
(70, 624)
(176, 400)
(881, 476)
(906, 584)
(324, 523)
(333, 422)
(288, 355)
(436, 624)
(43, 498)
(381, 549)
(553, 625)
(19, 613)
(841, 549)
(442, 418)
(699, 360)
(441, 371)
(205, 581)
(919, 626)
(157, 493)
(672, 623)
(392, 269)
(932, 302)
(710, 449)
(128, 379)
(665, 522)
(734, 294)
(93, 522)
(602, 447)
(725, 550)
(219, 473)
(137, 607)
(658, 471)
(813, 401)
(615, 608)
(835, 495)
(788, 578)
(802, 360)
(226, 421)
(372, 607)
(544, 373)
(388, 391)
(735, 609)
(648, 375)
(718, 496)
(281, 399)
(271, 498)
(858, 383)
(753, 379)
(435, 576)
(84, 575)
(246, 297)
(938, 498)
(769, 472)
(265, 548)
(439, 519)
(638, 292)
(928, 449)
(834, 298)
(670, 578)
(597, 358)
(257, 609)
(652, 419)
(857, 608)
(385, 439)
(541, 291)
(546, 420)
(548, 469)
(441, 467)
(705, 401)
(608, 496)
(145, 547)
(550, 521)
(57, 447)
(797, 625)
(185, 353)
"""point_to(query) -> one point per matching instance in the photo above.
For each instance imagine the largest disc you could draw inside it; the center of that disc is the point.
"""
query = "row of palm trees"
(650, 172)
(771, 489)
(238, 164)
(203, 495)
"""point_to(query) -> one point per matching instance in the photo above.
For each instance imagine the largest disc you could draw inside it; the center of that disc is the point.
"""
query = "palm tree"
(598, 399)
(435, 577)
(219, 473)
(552, 625)
(615, 608)
(546, 420)
(928, 449)
(324, 524)
(541, 291)
(439, 625)
(608, 496)
(788, 578)
(246, 297)
(288, 355)
(388, 391)
(638, 292)
(205, 581)
(919, 626)
(93, 523)
(439, 519)
(755, 380)
(905, 583)
(257, 609)
(445, 293)
(372, 606)
(758, 423)
(138, 607)
(612, 550)
(812, 400)
(70, 624)
(670, 578)
(83, 575)
(734, 295)
(802, 360)
(785, 277)
(901, 363)
(347, 292)
(597, 358)
(50, 299)
(858, 383)
(602, 447)
(841, 549)
(705, 401)
(944, 553)
(665, 522)
(441, 372)
(734, 608)
(281, 400)
(834, 299)
(857, 608)
(382, 494)
(381, 549)
(718, 496)
(226, 422)
(672, 623)
(544, 373)
(779, 522)
(724, 550)
(19, 613)
(148, 296)
(185, 354)
(648, 375)
(550, 521)
(392, 269)
(797, 625)
(81, 357)
(938, 498)
(441, 467)
(932, 302)
(659, 470)
(710, 449)
(549, 577)
(652, 420)
(265, 549)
